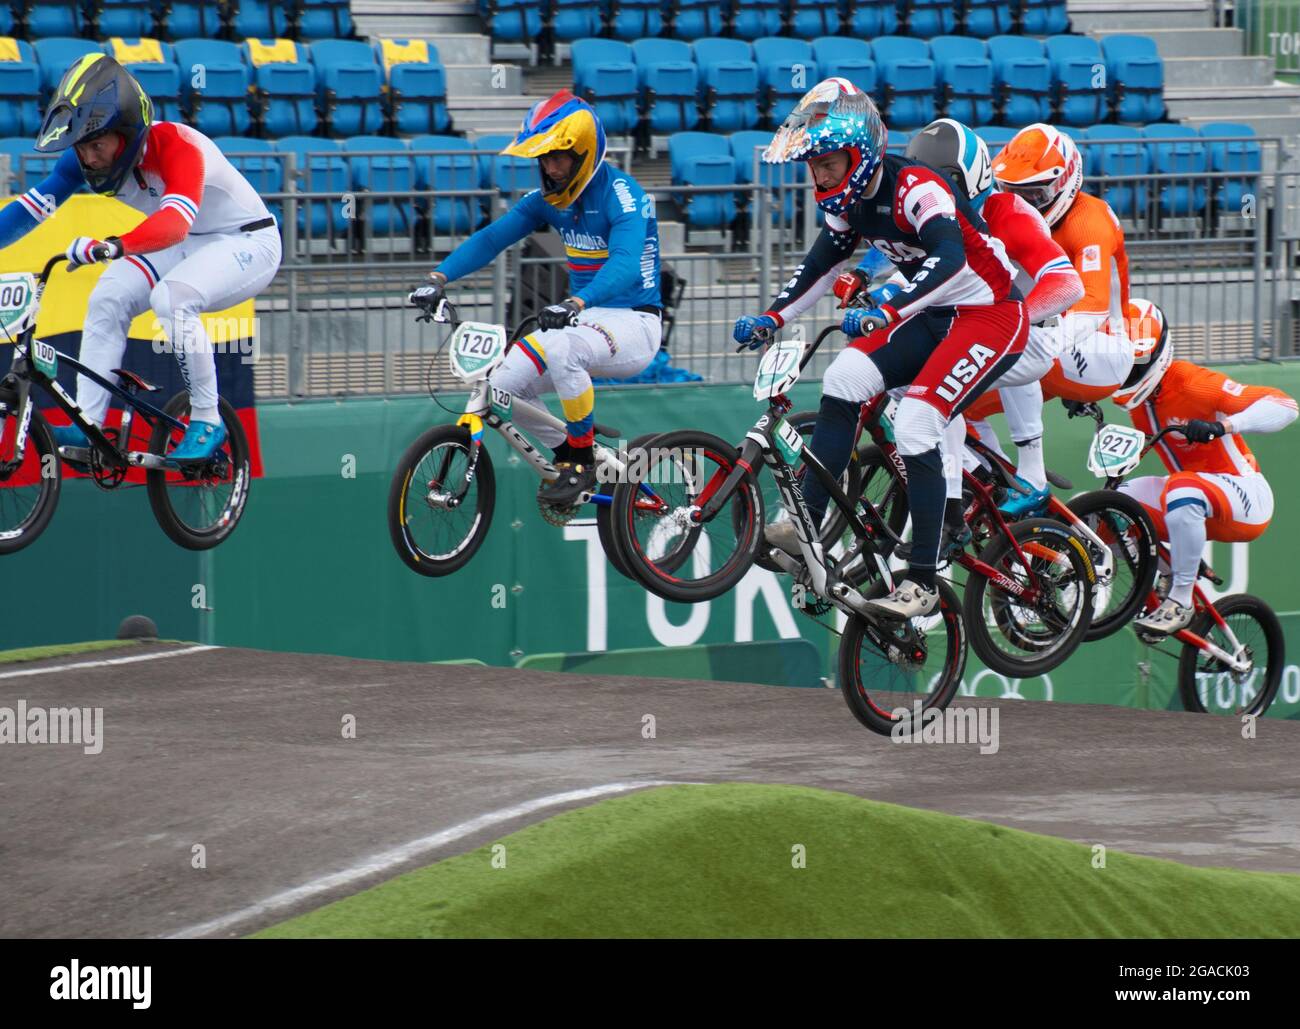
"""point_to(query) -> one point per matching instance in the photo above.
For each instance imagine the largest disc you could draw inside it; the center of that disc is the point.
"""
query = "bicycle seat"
(1059, 481)
(606, 431)
(130, 378)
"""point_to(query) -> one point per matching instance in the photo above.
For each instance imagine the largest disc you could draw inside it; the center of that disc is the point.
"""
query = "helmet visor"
(1037, 194)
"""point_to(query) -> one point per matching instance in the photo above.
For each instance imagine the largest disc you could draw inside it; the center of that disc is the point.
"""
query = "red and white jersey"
(186, 185)
(1044, 273)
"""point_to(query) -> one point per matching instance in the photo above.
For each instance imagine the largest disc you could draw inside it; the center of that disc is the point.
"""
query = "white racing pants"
(607, 342)
(200, 273)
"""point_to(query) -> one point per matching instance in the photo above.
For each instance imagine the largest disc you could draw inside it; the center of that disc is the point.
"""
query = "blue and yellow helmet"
(564, 122)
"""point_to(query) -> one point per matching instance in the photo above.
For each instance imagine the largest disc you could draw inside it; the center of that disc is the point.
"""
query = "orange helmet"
(1152, 353)
(1042, 165)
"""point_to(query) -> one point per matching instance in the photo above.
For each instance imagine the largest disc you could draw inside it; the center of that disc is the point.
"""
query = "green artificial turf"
(719, 861)
(60, 650)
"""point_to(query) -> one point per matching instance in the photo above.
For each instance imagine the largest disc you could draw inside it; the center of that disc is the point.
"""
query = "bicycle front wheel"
(888, 668)
(1210, 686)
(199, 506)
(667, 550)
(1013, 635)
(1127, 567)
(436, 520)
(29, 492)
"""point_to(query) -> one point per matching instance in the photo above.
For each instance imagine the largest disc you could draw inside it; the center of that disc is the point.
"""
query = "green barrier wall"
(311, 567)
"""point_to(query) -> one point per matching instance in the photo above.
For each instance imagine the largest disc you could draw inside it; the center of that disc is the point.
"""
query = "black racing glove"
(1198, 431)
(1075, 408)
(559, 316)
(427, 298)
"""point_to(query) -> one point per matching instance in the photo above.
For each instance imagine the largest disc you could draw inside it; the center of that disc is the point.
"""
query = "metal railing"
(334, 321)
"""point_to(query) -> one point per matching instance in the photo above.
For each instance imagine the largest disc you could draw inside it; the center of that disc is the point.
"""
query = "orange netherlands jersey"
(1091, 237)
(1189, 391)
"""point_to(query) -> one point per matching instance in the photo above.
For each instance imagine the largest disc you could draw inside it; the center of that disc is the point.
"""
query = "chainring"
(106, 478)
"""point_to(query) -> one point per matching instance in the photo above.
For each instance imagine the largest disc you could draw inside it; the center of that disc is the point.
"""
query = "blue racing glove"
(754, 331)
(859, 321)
(884, 294)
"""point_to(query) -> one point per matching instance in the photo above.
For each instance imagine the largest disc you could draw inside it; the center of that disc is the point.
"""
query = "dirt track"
(243, 753)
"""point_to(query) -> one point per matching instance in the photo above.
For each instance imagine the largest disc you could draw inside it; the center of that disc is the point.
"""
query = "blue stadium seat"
(20, 88)
(1079, 78)
(1022, 76)
(669, 82)
(284, 84)
(985, 18)
(841, 57)
(1136, 76)
(132, 18)
(56, 55)
(898, 140)
(703, 159)
(324, 19)
(604, 74)
(447, 171)
(728, 83)
(513, 21)
(1233, 155)
(349, 81)
(415, 85)
(256, 161)
(868, 19)
(926, 18)
(29, 167)
(698, 18)
(392, 171)
(575, 19)
(1125, 154)
(786, 71)
(636, 19)
(215, 82)
(192, 19)
(809, 18)
(510, 175)
(153, 63)
(996, 136)
(789, 174)
(56, 19)
(1178, 150)
(756, 19)
(965, 76)
(323, 169)
(907, 80)
(7, 20)
(1044, 17)
(258, 19)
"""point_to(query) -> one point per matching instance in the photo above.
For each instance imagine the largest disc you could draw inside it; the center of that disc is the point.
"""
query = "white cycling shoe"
(1168, 618)
(909, 600)
(782, 536)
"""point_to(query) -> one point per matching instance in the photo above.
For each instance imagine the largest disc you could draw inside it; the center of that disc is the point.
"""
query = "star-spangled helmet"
(562, 122)
(834, 115)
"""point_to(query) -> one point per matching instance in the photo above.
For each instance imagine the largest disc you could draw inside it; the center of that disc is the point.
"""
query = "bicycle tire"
(160, 491)
(1189, 662)
(604, 528)
(1044, 651)
(29, 529)
(1142, 560)
(436, 565)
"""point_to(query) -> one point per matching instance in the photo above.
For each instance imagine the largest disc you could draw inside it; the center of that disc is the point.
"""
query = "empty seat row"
(524, 21)
(177, 19)
(713, 83)
(273, 86)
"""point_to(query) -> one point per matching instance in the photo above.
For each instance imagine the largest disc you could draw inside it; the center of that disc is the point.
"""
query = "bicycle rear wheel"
(1013, 636)
(1207, 685)
(668, 552)
(199, 506)
(604, 528)
(30, 492)
(882, 689)
(1132, 556)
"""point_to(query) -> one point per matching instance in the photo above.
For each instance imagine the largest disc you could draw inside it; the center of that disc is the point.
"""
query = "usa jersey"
(959, 262)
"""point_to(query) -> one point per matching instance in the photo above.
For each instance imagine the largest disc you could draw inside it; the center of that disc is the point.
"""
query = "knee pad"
(852, 376)
(108, 311)
(835, 410)
(174, 304)
(918, 427)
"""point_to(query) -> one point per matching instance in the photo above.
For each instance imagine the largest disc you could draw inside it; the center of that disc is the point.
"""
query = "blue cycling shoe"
(1026, 505)
(201, 443)
(69, 436)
